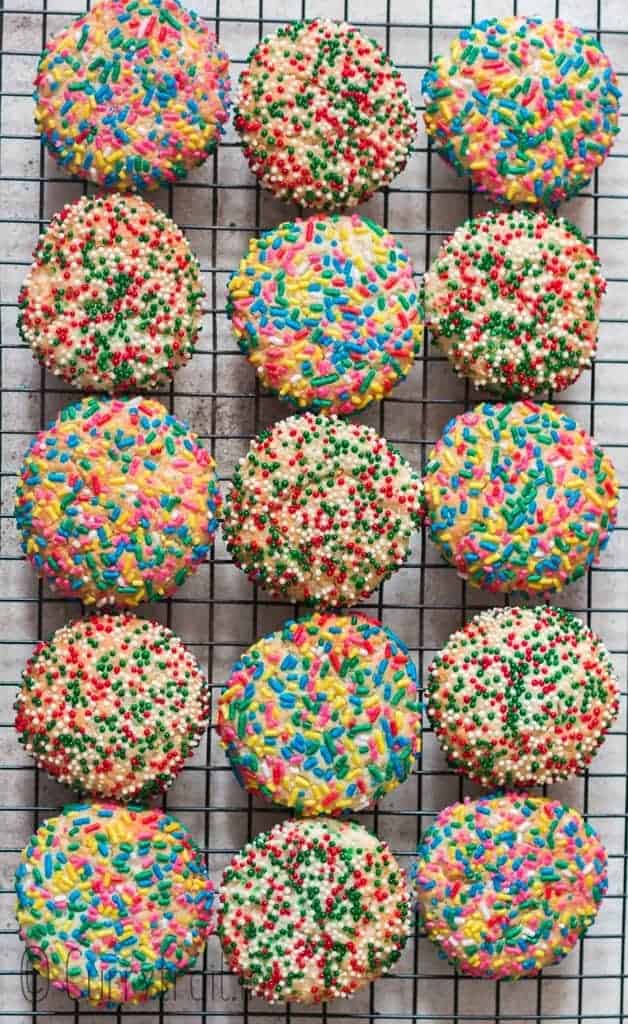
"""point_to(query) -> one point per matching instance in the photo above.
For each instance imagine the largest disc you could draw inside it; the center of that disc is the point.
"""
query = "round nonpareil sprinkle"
(519, 497)
(529, 109)
(325, 117)
(113, 903)
(321, 510)
(112, 705)
(323, 716)
(522, 696)
(508, 884)
(112, 301)
(116, 502)
(313, 910)
(133, 94)
(513, 299)
(327, 311)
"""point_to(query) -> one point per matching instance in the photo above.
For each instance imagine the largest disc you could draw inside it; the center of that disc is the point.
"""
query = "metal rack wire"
(219, 612)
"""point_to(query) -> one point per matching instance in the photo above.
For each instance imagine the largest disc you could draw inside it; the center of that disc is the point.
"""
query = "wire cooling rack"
(218, 612)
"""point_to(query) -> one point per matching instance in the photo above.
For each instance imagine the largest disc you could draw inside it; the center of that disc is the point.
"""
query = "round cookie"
(322, 716)
(513, 299)
(529, 109)
(116, 502)
(113, 903)
(519, 497)
(325, 117)
(321, 510)
(522, 696)
(112, 301)
(508, 884)
(313, 910)
(112, 705)
(132, 95)
(327, 312)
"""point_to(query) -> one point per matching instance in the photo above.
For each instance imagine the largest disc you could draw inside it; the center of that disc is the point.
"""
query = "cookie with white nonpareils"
(522, 696)
(313, 910)
(321, 510)
(513, 300)
(325, 117)
(112, 301)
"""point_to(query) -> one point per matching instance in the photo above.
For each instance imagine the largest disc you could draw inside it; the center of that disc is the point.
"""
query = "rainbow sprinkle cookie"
(112, 301)
(513, 299)
(323, 716)
(112, 705)
(529, 109)
(327, 311)
(508, 884)
(116, 502)
(113, 903)
(519, 497)
(325, 117)
(313, 910)
(522, 696)
(133, 94)
(321, 510)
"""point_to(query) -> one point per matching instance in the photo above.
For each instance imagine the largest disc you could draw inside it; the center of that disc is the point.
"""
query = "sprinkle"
(522, 696)
(112, 705)
(513, 99)
(95, 925)
(335, 355)
(95, 88)
(117, 542)
(507, 884)
(312, 910)
(321, 510)
(376, 685)
(492, 463)
(111, 302)
(325, 117)
(513, 300)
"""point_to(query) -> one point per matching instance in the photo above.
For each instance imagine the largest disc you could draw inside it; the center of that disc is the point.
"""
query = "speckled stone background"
(218, 612)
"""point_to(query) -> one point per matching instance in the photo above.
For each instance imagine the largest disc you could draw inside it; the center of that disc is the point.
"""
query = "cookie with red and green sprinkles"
(507, 885)
(116, 502)
(321, 510)
(513, 300)
(519, 497)
(113, 902)
(112, 705)
(313, 910)
(324, 116)
(528, 109)
(133, 94)
(327, 311)
(322, 716)
(112, 300)
(522, 696)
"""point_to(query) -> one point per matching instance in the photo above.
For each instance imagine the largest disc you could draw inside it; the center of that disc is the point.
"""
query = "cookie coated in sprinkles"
(513, 299)
(507, 885)
(321, 510)
(313, 910)
(327, 311)
(323, 715)
(133, 94)
(112, 300)
(112, 705)
(529, 109)
(325, 117)
(116, 502)
(113, 903)
(519, 497)
(522, 696)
